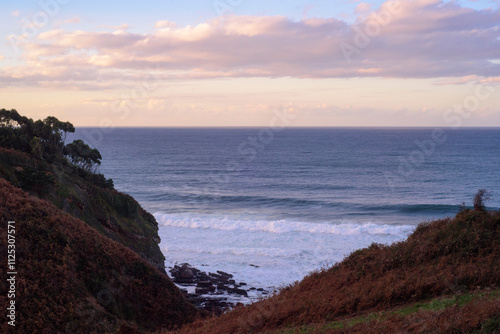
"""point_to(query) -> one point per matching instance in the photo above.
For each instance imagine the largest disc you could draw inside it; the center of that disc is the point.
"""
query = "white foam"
(265, 254)
(280, 226)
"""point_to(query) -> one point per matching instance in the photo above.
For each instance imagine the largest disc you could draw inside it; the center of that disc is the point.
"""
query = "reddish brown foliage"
(441, 257)
(475, 316)
(73, 279)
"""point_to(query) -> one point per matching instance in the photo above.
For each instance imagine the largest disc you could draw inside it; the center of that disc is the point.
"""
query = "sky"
(242, 62)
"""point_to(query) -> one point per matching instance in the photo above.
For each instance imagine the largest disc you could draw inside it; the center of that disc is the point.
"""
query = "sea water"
(272, 206)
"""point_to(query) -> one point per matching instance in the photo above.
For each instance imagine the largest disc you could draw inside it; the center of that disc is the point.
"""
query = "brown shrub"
(71, 279)
(441, 257)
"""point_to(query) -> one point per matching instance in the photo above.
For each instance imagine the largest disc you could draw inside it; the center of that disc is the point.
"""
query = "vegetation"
(435, 281)
(72, 279)
(90, 258)
(80, 154)
(34, 158)
(481, 197)
(44, 139)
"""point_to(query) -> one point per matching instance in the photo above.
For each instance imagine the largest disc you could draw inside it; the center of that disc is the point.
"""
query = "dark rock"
(188, 273)
(205, 290)
(223, 273)
(204, 284)
(240, 292)
(209, 288)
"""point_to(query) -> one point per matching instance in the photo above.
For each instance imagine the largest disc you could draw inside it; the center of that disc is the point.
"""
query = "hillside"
(88, 260)
(87, 256)
(72, 279)
(444, 278)
(34, 157)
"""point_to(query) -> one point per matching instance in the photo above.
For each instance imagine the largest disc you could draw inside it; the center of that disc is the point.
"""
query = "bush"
(481, 197)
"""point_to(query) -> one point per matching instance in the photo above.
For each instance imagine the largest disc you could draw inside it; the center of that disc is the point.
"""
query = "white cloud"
(417, 39)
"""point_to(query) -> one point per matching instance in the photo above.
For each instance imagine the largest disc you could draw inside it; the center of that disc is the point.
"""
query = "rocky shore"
(213, 292)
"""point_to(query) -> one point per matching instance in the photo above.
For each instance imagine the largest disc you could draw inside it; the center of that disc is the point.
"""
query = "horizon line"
(287, 127)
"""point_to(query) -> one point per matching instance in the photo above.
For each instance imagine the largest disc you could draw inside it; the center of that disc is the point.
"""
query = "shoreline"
(213, 292)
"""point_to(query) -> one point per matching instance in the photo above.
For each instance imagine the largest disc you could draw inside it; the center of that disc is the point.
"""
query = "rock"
(240, 292)
(223, 273)
(188, 273)
(215, 276)
(204, 284)
(204, 291)
(209, 288)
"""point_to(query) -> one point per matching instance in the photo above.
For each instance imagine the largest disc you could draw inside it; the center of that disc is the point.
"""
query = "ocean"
(272, 206)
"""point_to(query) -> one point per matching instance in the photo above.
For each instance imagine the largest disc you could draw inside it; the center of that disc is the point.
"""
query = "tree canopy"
(44, 139)
(82, 154)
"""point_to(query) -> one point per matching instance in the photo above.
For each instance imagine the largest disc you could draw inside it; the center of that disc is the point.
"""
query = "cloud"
(401, 39)
(15, 13)
(362, 8)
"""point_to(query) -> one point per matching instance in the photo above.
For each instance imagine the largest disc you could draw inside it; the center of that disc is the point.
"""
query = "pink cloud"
(404, 39)
(362, 8)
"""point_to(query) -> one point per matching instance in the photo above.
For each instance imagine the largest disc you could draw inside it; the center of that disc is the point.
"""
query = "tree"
(15, 130)
(12, 119)
(58, 128)
(52, 133)
(36, 147)
(82, 155)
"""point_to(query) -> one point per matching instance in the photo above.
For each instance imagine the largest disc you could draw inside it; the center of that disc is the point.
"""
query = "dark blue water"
(303, 174)
(293, 201)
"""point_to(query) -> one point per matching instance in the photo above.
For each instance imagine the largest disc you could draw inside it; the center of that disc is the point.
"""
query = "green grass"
(435, 304)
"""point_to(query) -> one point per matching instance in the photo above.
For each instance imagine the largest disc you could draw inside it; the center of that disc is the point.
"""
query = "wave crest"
(282, 226)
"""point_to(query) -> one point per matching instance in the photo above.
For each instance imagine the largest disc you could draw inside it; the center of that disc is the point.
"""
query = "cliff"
(87, 196)
(85, 256)
(72, 279)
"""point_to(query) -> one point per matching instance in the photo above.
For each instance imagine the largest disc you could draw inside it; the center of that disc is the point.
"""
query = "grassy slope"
(72, 279)
(477, 311)
(115, 215)
(441, 258)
